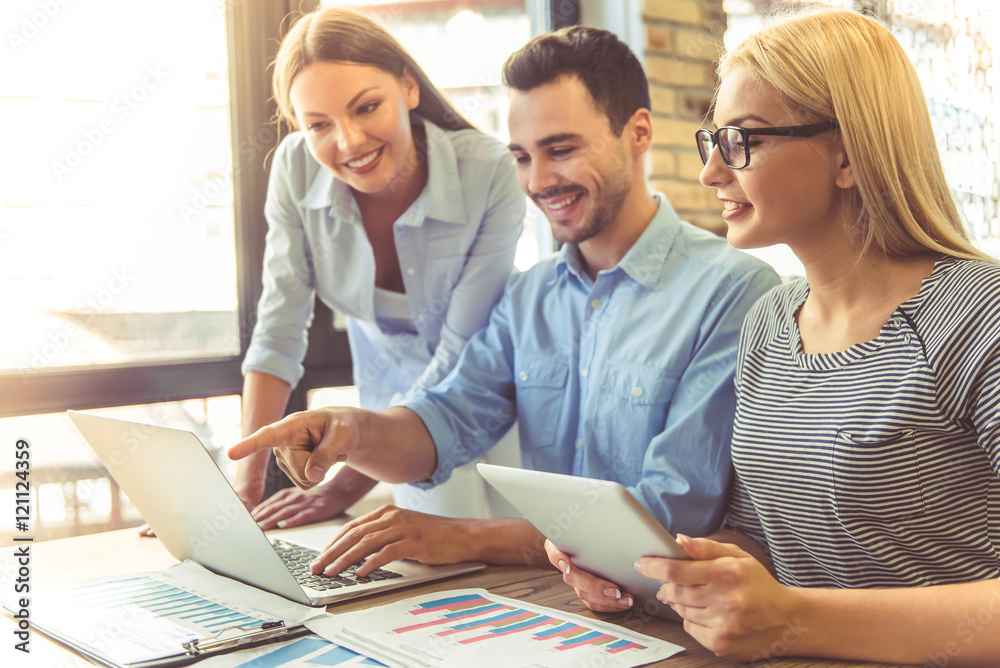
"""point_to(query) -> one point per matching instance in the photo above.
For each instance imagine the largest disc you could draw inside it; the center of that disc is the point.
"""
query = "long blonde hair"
(334, 34)
(839, 65)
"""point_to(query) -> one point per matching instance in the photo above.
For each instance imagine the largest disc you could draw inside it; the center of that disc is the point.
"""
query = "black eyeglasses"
(734, 145)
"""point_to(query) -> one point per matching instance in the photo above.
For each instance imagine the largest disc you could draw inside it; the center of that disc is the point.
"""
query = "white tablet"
(597, 522)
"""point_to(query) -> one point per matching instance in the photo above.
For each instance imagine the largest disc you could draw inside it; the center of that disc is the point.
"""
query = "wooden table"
(119, 552)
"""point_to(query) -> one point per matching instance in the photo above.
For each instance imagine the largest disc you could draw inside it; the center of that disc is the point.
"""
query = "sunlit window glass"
(116, 224)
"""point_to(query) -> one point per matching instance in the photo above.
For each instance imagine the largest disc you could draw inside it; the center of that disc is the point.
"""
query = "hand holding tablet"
(598, 523)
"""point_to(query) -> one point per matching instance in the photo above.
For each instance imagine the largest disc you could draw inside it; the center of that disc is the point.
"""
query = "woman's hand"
(292, 507)
(596, 594)
(729, 601)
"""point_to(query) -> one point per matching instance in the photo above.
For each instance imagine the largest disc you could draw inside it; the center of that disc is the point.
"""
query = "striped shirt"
(876, 466)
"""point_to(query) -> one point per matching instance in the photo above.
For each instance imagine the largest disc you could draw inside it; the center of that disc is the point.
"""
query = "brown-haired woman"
(387, 204)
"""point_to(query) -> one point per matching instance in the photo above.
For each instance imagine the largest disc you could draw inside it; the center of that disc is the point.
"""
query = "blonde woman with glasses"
(865, 517)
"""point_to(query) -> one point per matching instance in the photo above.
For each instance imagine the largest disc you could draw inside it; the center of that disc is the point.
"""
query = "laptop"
(184, 496)
(596, 522)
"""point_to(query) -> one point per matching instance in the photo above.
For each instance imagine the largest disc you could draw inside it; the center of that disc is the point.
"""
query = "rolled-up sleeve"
(279, 339)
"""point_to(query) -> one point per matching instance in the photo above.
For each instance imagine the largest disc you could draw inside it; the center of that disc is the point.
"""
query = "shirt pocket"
(877, 480)
(638, 386)
(541, 387)
(632, 408)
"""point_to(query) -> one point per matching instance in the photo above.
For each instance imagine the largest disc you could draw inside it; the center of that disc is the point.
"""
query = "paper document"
(146, 619)
(309, 652)
(471, 627)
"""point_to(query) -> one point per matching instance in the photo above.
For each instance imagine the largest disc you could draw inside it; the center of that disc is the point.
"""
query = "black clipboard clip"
(235, 636)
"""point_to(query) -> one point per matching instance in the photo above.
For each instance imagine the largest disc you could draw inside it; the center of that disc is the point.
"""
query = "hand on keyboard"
(390, 533)
(298, 558)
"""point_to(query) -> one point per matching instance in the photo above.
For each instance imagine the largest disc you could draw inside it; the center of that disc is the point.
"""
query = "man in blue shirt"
(615, 356)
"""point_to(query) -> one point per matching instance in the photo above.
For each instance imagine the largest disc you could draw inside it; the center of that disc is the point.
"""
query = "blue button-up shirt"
(628, 377)
(455, 245)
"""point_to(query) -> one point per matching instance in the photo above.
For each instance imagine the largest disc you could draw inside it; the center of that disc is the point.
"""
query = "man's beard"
(606, 203)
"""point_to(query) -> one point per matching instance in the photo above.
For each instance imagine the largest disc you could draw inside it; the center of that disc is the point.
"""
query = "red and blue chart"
(489, 620)
(473, 627)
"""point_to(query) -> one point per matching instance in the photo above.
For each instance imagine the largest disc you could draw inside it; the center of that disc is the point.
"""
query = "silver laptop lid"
(184, 496)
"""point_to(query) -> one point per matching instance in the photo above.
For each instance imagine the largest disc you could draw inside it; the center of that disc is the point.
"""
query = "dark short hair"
(607, 67)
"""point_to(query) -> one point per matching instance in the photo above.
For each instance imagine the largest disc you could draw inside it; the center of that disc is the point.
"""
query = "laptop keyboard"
(298, 558)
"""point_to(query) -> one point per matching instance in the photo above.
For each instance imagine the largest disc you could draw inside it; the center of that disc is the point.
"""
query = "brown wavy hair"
(334, 34)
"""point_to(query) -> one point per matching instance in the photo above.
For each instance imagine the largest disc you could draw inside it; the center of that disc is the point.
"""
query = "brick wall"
(683, 43)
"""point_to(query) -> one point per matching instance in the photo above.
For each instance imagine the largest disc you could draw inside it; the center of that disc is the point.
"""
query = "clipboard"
(164, 618)
(234, 639)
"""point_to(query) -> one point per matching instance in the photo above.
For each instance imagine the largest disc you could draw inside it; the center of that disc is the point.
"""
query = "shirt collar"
(445, 203)
(644, 261)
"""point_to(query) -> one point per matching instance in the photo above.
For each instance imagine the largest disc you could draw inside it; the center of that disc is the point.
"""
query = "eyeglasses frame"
(782, 131)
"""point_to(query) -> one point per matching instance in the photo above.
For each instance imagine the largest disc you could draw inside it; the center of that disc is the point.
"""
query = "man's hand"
(596, 594)
(306, 444)
(729, 601)
(390, 533)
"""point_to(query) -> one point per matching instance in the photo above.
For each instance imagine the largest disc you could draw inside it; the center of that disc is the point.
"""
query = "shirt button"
(523, 375)
(906, 338)
(410, 271)
(596, 303)
(584, 371)
(579, 442)
(420, 317)
(637, 391)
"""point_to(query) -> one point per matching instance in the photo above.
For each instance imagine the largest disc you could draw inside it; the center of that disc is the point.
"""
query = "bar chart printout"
(137, 617)
(473, 627)
(133, 619)
(309, 652)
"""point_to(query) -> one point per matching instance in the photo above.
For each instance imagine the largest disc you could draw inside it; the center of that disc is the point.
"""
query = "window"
(138, 139)
(131, 215)
(118, 242)
(70, 491)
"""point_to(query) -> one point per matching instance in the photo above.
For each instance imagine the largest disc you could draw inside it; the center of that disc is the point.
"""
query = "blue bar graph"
(287, 654)
(193, 612)
(473, 611)
(559, 630)
(307, 652)
(470, 619)
(487, 621)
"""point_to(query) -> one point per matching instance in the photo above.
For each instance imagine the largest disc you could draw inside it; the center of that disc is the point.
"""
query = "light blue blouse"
(455, 245)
